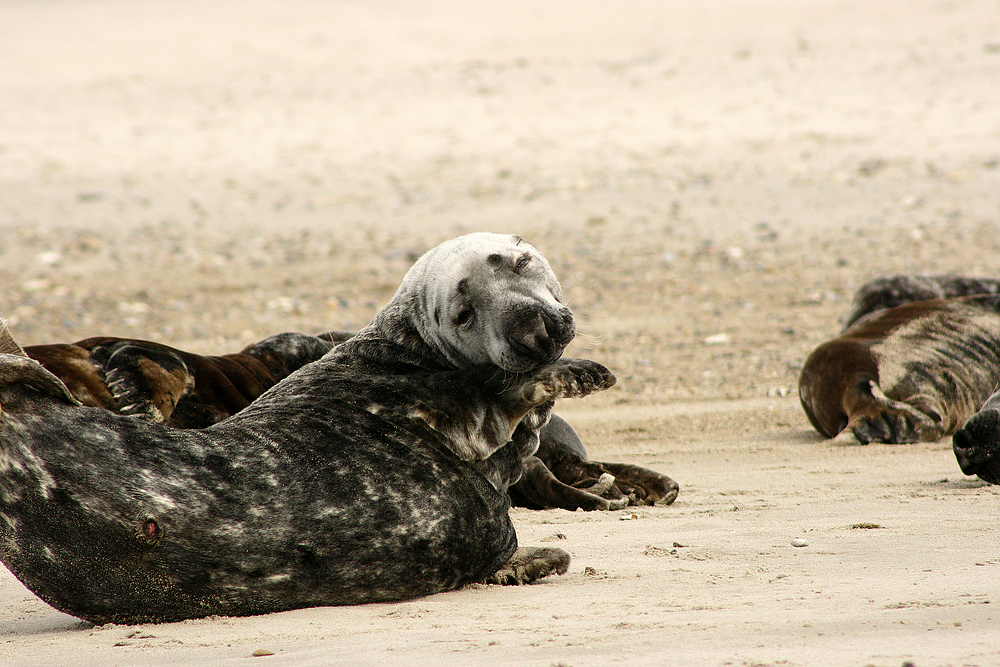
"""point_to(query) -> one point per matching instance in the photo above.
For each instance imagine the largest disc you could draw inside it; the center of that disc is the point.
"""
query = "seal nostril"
(961, 439)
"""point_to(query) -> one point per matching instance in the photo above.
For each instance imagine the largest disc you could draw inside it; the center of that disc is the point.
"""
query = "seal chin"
(516, 363)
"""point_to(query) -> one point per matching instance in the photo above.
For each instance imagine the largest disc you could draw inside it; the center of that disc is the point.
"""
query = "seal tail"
(16, 367)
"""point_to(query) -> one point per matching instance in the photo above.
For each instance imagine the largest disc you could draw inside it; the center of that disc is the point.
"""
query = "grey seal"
(896, 290)
(378, 472)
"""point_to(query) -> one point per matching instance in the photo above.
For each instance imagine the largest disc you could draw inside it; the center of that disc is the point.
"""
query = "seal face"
(480, 299)
(977, 444)
(914, 372)
(378, 472)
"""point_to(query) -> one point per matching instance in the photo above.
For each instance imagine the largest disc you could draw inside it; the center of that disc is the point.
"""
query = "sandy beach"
(710, 181)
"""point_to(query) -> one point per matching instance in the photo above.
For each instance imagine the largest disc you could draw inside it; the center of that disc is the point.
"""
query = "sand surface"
(711, 181)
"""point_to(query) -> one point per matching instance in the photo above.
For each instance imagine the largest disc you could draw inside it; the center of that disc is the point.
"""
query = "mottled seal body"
(904, 374)
(378, 472)
(162, 384)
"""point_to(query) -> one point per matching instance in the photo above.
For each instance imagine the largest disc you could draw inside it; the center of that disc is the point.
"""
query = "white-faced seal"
(378, 472)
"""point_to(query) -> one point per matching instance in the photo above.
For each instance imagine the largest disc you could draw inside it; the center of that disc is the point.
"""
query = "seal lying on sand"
(560, 474)
(891, 291)
(163, 384)
(977, 444)
(377, 473)
(905, 374)
(169, 386)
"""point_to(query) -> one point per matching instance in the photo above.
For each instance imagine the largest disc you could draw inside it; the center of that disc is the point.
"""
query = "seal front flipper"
(530, 564)
(146, 380)
(877, 418)
(478, 410)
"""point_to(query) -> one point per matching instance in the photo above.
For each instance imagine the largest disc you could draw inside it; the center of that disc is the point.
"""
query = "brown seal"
(160, 383)
(905, 374)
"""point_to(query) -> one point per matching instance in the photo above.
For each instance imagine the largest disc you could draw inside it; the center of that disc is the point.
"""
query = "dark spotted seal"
(378, 472)
(163, 384)
(913, 372)
(891, 291)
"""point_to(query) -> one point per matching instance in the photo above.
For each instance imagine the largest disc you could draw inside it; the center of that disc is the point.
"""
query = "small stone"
(717, 339)
(799, 542)
(261, 652)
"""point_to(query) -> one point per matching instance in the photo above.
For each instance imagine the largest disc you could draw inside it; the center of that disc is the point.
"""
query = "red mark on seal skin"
(151, 531)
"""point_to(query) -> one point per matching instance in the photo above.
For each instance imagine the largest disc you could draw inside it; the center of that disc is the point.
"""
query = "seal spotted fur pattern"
(153, 381)
(905, 374)
(376, 473)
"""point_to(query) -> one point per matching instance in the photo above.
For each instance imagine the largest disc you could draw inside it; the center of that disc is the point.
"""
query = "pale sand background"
(208, 172)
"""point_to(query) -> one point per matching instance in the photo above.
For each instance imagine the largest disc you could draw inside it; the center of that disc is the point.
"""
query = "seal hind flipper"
(16, 367)
(539, 488)
(7, 343)
(530, 564)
